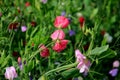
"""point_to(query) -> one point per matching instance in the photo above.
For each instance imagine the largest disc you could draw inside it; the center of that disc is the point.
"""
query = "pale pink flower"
(10, 73)
(58, 34)
(83, 62)
(116, 63)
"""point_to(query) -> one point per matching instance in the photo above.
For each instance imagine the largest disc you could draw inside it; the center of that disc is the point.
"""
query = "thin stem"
(61, 68)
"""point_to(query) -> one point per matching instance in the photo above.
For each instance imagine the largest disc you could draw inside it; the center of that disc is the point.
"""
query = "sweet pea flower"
(44, 1)
(33, 23)
(60, 45)
(61, 22)
(13, 26)
(108, 37)
(81, 20)
(23, 28)
(44, 51)
(27, 4)
(10, 73)
(113, 72)
(58, 34)
(63, 13)
(71, 33)
(116, 64)
(20, 63)
(83, 62)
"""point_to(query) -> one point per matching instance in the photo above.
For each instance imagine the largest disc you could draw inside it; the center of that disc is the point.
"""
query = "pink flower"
(23, 28)
(81, 20)
(45, 51)
(83, 62)
(58, 34)
(60, 45)
(10, 73)
(61, 22)
(20, 63)
(116, 63)
(27, 4)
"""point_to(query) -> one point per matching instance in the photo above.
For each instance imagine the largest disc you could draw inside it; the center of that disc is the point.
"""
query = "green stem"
(61, 68)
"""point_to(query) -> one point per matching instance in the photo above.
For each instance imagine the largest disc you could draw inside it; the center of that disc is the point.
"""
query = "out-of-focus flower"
(116, 63)
(13, 26)
(23, 28)
(113, 72)
(61, 22)
(58, 34)
(44, 51)
(20, 63)
(79, 14)
(10, 73)
(103, 32)
(82, 21)
(60, 45)
(83, 62)
(33, 23)
(44, 1)
(63, 13)
(71, 32)
(108, 37)
(27, 4)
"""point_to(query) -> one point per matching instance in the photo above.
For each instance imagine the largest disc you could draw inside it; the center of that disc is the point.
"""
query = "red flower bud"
(33, 24)
(58, 34)
(60, 45)
(27, 4)
(61, 22)
(13, 26)
(44, 52)
(81, 20)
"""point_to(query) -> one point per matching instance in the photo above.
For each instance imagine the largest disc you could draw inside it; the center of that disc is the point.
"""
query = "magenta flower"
(23, 28)
(58, 34)
(10, 73)
(83, 62)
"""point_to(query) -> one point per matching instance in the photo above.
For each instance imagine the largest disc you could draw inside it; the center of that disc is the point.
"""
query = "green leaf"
(99, 50)
(30, 66)
(70, 73)
(108, 54)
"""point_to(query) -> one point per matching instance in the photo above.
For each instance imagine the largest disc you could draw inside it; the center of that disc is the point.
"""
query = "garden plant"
(59, 40)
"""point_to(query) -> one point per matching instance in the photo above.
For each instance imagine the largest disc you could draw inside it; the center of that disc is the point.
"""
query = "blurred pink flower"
(83, 62)
(27, 4)
(10, 73)
(44, 1)
(58, 34)
(45, 51)
(20, 63)
(23, 28)
(61, 22)
(116, 63)
(60, 45)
